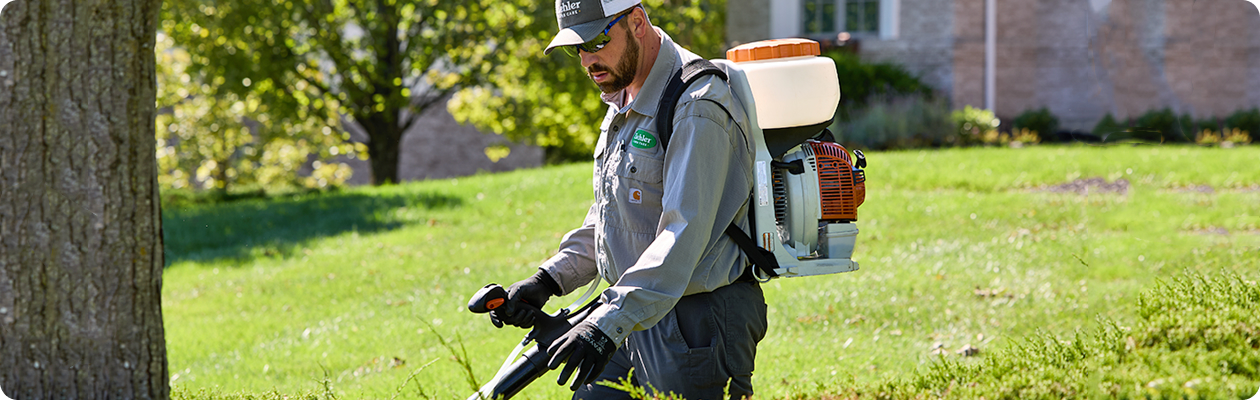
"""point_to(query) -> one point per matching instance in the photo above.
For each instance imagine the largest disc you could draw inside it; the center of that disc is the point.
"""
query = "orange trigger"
(493, 304)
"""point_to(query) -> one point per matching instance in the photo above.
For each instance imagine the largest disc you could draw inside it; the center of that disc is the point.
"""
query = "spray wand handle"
(489, 298)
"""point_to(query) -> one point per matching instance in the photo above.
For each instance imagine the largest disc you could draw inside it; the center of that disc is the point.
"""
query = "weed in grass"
(326, 384)
(460, 357)
(639, 392)
(412, 379)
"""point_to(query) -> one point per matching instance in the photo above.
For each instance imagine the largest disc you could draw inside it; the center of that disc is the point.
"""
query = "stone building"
(1081, 59)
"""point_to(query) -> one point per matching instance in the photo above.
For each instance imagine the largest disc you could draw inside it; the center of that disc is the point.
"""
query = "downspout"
(990, 53)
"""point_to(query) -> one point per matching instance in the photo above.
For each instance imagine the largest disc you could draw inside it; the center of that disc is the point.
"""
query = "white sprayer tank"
(792, 85)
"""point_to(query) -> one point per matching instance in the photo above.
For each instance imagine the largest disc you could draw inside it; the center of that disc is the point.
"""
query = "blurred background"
(259, 98)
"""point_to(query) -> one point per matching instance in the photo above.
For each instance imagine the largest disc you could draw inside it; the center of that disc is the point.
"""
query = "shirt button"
(619, 329)
(616, 128)
(633, 169)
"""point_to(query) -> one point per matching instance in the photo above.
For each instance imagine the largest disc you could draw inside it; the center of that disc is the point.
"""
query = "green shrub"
(862, 82)
(972, 125)
(1208, 123)
(1041, 122)
(908, 122)
(1247, 121)
(1108, 126)
(1160, 126)
(1186, 124)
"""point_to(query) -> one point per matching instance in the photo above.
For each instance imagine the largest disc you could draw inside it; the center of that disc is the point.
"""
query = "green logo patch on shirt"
(643, 140)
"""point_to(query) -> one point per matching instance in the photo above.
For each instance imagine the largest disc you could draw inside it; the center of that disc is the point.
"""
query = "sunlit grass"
(957, 248)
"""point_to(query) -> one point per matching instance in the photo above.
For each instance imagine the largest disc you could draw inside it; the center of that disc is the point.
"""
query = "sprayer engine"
(817, 190)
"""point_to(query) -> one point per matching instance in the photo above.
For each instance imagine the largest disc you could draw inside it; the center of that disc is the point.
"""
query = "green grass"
(346, 293)
(1198, 337)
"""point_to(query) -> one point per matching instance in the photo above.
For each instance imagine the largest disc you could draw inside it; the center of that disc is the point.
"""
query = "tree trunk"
(384, 138)
(80, 226)
(383, 127)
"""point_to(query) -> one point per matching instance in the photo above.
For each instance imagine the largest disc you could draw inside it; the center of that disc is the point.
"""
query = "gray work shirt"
(656, 230)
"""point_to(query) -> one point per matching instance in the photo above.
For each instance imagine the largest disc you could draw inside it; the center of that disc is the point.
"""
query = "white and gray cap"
(583, 20)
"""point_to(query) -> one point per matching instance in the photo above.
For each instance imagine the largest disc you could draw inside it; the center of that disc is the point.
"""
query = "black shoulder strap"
(678, 83)
(762, 259)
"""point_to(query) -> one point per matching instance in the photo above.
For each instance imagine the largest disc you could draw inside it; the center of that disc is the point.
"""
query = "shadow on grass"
(278, 226)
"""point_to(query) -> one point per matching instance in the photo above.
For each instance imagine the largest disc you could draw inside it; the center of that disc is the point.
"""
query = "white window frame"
(786, 19)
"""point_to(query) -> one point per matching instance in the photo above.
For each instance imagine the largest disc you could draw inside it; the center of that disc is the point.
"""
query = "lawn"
(350, 293)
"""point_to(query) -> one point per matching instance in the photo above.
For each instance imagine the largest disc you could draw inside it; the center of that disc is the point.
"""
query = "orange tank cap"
(772, 49)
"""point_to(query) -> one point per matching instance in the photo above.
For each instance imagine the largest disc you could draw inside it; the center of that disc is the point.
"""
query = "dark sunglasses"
(595, 44)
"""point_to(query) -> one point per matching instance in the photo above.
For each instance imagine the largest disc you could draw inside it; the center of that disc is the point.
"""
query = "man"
(682, 310)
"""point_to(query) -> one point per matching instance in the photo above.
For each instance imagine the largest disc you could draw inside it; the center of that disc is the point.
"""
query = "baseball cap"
(582, 20)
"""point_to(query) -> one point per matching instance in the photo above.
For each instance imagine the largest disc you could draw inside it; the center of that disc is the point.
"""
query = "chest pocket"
(641, 168)
(639, 191)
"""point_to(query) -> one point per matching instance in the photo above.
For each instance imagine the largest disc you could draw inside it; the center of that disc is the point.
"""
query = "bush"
(972, 125)
(1108, 126)
(1016, 138)
(907, 122)
(1230, 137)
(1247, 121)
(861, 83)
(1160, 126)
(1040, 122)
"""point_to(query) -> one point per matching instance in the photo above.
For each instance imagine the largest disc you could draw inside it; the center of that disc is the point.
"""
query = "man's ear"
(638, 22)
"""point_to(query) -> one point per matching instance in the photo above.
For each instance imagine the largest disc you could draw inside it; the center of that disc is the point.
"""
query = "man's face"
(614, 66)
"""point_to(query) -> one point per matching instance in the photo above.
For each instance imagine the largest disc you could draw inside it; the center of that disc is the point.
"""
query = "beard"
(624, 72)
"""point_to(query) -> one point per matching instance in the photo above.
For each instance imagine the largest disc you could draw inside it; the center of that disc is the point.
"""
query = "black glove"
(534, 291)
(586, 348)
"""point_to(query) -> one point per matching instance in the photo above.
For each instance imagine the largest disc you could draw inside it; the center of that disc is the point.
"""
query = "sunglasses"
(595, 44)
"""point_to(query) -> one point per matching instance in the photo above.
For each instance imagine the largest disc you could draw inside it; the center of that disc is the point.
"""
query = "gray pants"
(707, 341)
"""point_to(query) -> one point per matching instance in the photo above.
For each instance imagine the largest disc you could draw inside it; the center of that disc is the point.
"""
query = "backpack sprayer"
(805, 196)
(806, 191)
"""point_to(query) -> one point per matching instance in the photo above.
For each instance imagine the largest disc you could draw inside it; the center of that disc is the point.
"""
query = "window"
(828, 17)
(819, 17)
(861, 16)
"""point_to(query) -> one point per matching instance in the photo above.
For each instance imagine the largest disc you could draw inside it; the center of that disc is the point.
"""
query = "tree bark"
(384, 128)
(384, 139)
(80, 226)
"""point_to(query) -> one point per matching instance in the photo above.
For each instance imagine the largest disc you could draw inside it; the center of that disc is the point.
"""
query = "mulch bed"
(1091, 186)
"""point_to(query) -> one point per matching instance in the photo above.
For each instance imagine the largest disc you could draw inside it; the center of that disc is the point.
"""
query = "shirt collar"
(654, 86)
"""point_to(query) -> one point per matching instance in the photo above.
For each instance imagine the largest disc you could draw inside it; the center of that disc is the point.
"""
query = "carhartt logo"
(636, 196)
(563, 8)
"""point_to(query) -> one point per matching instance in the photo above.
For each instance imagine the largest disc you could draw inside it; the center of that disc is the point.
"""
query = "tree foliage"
(216, 140)
(298, 66)
(548, 100)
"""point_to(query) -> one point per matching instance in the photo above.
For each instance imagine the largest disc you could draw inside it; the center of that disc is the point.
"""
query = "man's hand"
(535, 291)
(587, 350)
